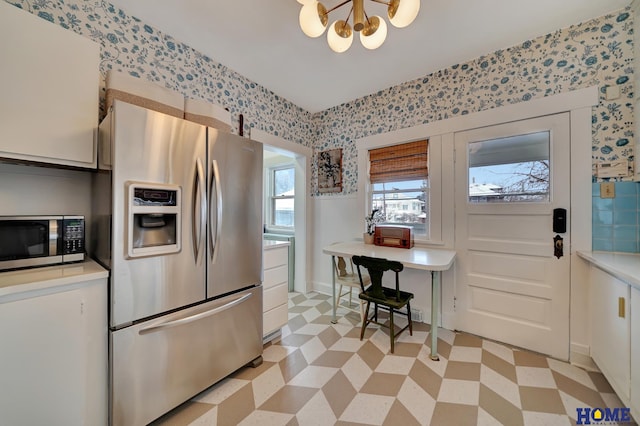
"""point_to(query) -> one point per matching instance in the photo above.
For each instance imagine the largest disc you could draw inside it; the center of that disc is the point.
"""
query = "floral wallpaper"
(129, 45)
(598, 52)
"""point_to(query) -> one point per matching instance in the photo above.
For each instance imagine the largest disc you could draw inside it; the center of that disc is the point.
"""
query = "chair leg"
(409, 317)
(391, 328)
(338, 295)
(363, 315)
(366, 320)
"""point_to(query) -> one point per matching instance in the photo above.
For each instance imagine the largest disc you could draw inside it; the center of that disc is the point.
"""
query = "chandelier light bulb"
(374, 33)
(403, 12)
(339, 36)
(313, 18)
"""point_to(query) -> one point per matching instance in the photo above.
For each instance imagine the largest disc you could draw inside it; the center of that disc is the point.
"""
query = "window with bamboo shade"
(407, 161)
(399, 177)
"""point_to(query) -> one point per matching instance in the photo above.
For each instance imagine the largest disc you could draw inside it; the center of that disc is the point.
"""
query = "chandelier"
(314, 17)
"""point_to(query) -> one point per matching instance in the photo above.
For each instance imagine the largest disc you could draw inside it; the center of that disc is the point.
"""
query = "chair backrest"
(340, 266)
(376, 268)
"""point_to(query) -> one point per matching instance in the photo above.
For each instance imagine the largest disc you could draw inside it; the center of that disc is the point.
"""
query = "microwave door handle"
(198, 189)
(215, 233)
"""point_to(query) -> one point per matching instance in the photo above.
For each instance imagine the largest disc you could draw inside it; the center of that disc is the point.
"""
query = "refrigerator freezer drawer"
(158, 364)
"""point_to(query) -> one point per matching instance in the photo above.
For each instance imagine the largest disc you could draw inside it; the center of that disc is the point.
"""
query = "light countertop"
(271, 244)
(29, 280)
(624, 266)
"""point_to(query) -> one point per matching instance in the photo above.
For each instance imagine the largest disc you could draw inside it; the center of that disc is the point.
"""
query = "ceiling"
(262, 40)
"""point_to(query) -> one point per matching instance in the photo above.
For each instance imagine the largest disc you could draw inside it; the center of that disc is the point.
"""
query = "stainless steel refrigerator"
(178, 221)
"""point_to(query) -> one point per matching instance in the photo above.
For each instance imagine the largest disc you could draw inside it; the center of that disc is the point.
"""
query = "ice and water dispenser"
(153, 218)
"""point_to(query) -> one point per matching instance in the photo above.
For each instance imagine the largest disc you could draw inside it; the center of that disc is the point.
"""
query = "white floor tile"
(316, 412)
(500, 385)
(459, 392)
(313, 377)
(536, 377)
(369, 409)
(418, 402)
(465, 354)
(395, 365)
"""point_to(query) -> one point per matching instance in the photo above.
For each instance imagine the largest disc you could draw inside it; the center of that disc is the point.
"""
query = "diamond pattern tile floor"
(322, 374)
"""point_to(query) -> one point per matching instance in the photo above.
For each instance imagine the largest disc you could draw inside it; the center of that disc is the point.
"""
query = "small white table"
(426, 259)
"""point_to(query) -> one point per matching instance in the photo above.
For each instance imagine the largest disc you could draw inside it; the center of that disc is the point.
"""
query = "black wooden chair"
(391, 299)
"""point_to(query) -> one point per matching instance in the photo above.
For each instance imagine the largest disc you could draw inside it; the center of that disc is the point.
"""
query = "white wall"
(30, 190)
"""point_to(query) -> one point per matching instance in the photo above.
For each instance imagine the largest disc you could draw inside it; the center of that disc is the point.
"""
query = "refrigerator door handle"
(196, 317)
(215, 234)
(198, 187)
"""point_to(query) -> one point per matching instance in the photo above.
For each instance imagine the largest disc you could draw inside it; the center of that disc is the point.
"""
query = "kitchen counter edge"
(624, 266)
(21, 281)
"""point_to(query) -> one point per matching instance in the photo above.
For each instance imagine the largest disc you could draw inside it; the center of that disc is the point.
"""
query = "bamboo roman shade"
(406, 161)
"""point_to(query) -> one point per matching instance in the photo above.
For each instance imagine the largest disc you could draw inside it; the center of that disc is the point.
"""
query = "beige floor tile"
(329, 336)
(184, 414)
(416, 400)
(394, 364)
(316, 412)
(499, 365)
(501, 385)
(601, 384)
(268, 383)
(572, 372)
(332, 359)
(529, 359)
(312, 349)
(446, 414)
(383, 384)
(261, 418)
(500, 408)
(459, 392)
(464, 339)
(538, 419)
(535, 376)
(399, 415)
(499, 350)
(577, 390)
(369, 409)
(235, 408)
(541, 399)
(289, 399)
(313, 377)
(426, 378)
(292, 365)
(371, 354)
(462, 371)
(338, 392)
(465, 353)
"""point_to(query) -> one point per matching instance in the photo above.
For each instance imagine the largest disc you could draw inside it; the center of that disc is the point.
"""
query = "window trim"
(271, 202)
(435, 158)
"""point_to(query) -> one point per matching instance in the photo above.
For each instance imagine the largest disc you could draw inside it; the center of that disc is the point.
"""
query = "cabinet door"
(53, 368)
(49, 87)
(610, 330)
(635, 353)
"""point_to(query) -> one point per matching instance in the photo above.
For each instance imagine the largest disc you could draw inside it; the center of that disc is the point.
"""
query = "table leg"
(435, 303)
(333, 290)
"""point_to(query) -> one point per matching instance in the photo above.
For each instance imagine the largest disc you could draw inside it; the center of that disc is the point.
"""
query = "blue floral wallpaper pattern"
(598, 52)
(129, 45)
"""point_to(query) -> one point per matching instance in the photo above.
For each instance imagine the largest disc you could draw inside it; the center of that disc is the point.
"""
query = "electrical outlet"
(607, 190)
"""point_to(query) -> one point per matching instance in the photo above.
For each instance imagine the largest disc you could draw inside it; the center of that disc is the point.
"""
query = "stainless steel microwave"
(27, 241)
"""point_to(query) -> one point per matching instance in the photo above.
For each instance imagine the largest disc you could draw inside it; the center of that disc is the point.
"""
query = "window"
(400, 185)
(512, 169)
(282, 193)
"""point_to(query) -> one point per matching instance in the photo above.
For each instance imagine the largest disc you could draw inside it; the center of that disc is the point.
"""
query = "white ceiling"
(261, 40)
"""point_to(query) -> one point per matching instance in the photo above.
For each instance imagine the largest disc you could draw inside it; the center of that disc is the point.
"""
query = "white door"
(511, 287)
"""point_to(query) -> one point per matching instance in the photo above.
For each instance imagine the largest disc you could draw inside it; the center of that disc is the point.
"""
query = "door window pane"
(512, 169)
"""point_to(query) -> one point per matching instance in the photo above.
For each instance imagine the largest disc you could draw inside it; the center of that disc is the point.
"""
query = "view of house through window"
(400, 185)
(282, 196)
(403, 203)
(513, 169)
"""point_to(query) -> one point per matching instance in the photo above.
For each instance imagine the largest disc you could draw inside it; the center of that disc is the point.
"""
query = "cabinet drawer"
(275, 276)
(274, 296)
(275, 257)
(274, 319)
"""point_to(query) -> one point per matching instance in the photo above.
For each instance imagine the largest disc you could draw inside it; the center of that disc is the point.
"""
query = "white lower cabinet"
(610, 330)
(635, 353)
(275, 286)
(53, 356)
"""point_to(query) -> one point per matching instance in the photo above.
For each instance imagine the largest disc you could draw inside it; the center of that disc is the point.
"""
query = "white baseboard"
(579, 355)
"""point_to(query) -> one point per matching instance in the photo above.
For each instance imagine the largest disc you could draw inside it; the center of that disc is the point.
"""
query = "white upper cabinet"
(49, 83)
